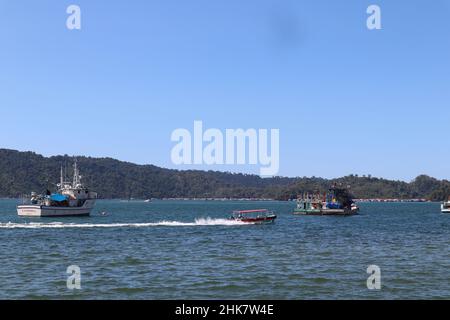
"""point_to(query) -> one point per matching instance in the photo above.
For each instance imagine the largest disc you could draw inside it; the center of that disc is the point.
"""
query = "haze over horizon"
(345, 99)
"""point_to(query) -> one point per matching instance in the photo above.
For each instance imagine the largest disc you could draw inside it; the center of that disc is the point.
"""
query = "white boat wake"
(60, 225)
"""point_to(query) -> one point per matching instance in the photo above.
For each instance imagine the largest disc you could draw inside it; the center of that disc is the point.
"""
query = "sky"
(346, 100)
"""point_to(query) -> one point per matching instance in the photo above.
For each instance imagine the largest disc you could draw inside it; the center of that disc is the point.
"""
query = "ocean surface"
(188, 250)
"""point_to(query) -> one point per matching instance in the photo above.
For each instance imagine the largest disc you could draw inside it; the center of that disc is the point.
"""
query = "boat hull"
(45, 211)
(445, 208)
(259, 220)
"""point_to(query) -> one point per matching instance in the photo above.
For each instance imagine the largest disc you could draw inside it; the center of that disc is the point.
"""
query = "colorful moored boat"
(337, 202)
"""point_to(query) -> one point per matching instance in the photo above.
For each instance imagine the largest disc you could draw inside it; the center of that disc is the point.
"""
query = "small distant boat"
(445, 206)
(148, 200)
(337, 202)
(260, 216)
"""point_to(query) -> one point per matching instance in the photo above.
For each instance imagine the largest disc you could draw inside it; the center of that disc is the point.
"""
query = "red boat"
(260, 216)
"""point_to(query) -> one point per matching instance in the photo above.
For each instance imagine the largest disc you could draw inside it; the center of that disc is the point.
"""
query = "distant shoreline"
(199, 199)
(392, 200)
(377, 200)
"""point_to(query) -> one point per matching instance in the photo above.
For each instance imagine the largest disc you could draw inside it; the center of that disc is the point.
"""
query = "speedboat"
(259, 216)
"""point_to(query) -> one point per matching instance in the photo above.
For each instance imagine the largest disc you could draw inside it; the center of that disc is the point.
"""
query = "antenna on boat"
(61, 179)
(75, 173)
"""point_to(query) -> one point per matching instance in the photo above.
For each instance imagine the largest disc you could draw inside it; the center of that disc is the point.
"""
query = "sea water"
(189, 250)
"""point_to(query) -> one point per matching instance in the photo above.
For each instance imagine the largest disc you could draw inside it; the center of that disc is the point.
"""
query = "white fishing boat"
(445, 207)
(71, 199)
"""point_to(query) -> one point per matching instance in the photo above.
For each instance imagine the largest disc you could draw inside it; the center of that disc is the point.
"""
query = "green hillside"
(22, 172)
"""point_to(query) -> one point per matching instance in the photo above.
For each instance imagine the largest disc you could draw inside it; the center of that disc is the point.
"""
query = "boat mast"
(61, 179)
(76, 177)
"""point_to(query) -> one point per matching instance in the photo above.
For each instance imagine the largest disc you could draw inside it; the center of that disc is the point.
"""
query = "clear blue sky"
(140, 69)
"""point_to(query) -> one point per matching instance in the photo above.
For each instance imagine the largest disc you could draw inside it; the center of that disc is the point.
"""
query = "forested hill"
(23, 172)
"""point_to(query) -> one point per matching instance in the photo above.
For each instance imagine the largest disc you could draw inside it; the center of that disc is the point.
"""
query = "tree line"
(23, 172)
